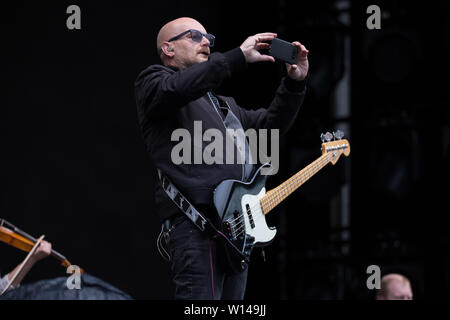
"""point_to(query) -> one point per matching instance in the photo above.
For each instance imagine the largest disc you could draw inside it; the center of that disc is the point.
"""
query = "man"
(176, 95)
(395, 287)
(43, 251)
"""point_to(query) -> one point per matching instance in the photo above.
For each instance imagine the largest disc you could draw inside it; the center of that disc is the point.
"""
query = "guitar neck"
(275, 196)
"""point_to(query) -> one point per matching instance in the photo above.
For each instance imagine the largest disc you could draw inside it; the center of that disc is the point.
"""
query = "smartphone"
(284, 51)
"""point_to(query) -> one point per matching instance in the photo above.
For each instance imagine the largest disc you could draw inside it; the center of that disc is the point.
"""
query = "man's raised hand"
(299, 71)
(253, 44)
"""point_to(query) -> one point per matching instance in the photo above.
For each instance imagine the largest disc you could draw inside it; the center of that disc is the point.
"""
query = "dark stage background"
(74, 166)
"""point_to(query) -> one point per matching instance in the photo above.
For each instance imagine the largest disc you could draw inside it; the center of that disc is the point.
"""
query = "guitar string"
(310, 169)
(316, 166)
(242, 228)
(241, 224)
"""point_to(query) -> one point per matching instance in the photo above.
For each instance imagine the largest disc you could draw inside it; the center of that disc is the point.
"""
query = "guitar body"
(242, 219)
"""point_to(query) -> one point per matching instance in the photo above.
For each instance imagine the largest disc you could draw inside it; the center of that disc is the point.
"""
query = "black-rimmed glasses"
(196, 36)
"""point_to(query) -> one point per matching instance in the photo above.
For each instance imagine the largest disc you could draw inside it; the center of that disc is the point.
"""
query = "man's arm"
(42, 251)
(162, 91)
(155, 91)
(281, 113)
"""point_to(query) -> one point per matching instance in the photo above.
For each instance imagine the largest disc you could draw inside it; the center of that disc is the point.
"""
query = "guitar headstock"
(337, 147)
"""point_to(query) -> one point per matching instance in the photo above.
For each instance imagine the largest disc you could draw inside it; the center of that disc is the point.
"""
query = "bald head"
(395, 286)
(184, 52)
(175, 27)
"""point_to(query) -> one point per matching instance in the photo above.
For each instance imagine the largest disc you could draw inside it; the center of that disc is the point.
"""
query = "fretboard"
(275, 196)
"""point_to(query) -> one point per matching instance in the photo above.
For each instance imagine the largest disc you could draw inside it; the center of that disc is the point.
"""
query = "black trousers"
(198, 266)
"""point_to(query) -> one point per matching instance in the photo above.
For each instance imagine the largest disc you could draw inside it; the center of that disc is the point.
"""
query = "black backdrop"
(74, 166)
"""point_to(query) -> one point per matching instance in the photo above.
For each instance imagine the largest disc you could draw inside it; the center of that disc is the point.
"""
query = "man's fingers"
(301, 48)
(266, 34)
(267, 58)
(262, 45)
(291, 67)
(304, 51)
(265, 37)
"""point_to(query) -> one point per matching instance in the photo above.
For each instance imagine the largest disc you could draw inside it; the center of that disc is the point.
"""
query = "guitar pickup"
(250, 216)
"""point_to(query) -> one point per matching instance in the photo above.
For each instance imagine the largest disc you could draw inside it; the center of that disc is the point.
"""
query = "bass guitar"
(242, 206)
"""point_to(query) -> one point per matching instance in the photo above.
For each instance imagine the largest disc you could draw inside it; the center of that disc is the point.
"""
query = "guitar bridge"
(235, 228)
(229, 230)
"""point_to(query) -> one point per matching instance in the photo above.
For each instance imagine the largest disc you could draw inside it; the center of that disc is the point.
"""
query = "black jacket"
(169, 99)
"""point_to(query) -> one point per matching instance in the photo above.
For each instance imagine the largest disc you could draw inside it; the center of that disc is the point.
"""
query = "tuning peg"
(326, 137)
(338, 135)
